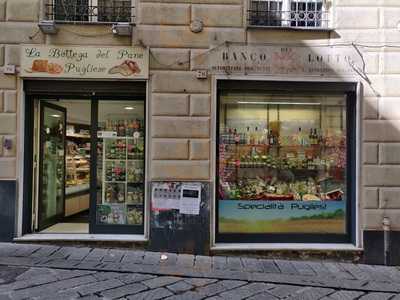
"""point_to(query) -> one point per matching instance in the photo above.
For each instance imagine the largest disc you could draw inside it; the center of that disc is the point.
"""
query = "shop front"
(85, 140)
(286, 138)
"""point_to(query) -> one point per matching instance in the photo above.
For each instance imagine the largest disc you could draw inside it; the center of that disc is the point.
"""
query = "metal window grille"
(90, 11)
(288, 13)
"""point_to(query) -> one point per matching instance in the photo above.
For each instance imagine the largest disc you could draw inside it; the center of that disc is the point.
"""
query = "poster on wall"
(84, 62)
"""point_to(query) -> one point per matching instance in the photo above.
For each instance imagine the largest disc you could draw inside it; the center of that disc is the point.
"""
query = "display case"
(77, 158)
(77, 180)
(122, 173)
(282, 165)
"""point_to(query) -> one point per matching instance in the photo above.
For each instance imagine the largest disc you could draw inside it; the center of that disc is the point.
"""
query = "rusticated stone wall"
(180, 104)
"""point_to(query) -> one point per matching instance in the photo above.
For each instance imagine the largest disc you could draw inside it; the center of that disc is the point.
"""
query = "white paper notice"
(189, 206)
(159, 203)
(106, 134)
(163, 198)
(190, 200)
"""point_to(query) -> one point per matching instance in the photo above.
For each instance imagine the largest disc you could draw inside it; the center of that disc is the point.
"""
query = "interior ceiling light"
(55, 116)
(278, 103)
(124, 29)
(129, 108)
(48, 27)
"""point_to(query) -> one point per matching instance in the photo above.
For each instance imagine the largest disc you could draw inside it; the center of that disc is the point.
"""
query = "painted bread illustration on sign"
(127, 68)
(43, 65)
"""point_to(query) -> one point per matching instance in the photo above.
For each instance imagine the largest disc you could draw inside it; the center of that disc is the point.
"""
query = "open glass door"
(51, 200)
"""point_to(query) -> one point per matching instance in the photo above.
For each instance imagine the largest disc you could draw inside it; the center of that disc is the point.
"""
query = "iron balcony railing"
(90, 11)
(306, 14)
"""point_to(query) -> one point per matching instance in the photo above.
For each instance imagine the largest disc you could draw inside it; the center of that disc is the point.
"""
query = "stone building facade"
(182, 108)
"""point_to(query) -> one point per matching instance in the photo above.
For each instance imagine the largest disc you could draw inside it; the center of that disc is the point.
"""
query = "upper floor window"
(97, 11)
(288, 13)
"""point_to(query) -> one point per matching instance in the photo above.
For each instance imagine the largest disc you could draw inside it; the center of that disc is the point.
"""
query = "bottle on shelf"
(311, 137)
(300, 137)
(252, 137)
(271, 138)
(265, 136)
(256, 136)
(248, 138)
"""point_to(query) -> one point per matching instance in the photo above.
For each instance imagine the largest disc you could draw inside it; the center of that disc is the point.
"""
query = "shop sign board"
(89, 62)
(245, 59)
(263, 216)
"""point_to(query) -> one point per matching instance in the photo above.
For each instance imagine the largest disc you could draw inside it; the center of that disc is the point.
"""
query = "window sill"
(281, 246)
(89, 23)
(288, 28)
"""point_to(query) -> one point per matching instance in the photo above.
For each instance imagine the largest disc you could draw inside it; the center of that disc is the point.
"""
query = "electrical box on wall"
(180, 217)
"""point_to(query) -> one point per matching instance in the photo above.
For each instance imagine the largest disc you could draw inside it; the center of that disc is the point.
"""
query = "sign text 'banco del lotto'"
(284, 60)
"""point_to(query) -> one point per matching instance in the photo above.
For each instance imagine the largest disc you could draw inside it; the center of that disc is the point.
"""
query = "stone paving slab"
(76, 284)
(227, 274)
(144, 275)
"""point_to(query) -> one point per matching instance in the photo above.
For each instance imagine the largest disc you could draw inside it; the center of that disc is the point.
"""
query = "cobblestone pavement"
(52, 272)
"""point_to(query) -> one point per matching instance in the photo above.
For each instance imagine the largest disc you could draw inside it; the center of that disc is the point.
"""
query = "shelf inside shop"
(76, 189)
(114, 181)
(121, 137)
(78, 136)
(115, 159)
(284, 146)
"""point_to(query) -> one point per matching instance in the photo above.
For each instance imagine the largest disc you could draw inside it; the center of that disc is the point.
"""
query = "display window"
(120, 163)
(283, 167)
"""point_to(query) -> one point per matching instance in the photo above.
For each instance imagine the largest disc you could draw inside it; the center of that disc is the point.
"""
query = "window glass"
(120, 163)
(282, 164)
(295, 13)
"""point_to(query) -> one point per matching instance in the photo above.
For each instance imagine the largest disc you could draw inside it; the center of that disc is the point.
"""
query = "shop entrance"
(64, 166)
(88, 163)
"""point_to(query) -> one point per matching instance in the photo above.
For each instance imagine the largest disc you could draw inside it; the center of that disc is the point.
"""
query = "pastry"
(127, 68)
(42, 65)
(54, 68)
(39, 65)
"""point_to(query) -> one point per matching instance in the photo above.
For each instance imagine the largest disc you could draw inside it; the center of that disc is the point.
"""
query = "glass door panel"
(120, 167)
(52, 164)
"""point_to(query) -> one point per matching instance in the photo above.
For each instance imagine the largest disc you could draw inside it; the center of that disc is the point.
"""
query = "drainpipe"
(386, 239)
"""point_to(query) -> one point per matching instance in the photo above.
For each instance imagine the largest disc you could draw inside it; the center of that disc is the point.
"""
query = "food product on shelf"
(134, 195)
(134, 215)
(115, 171)
(115, 148)
(77, 161)
(115, 193)
(279, 168)
(123, 173)
(135, 175)
(125, 127)
(135, 149)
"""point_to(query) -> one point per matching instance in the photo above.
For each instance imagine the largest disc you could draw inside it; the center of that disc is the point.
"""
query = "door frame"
(73, 89)
(55, 219)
